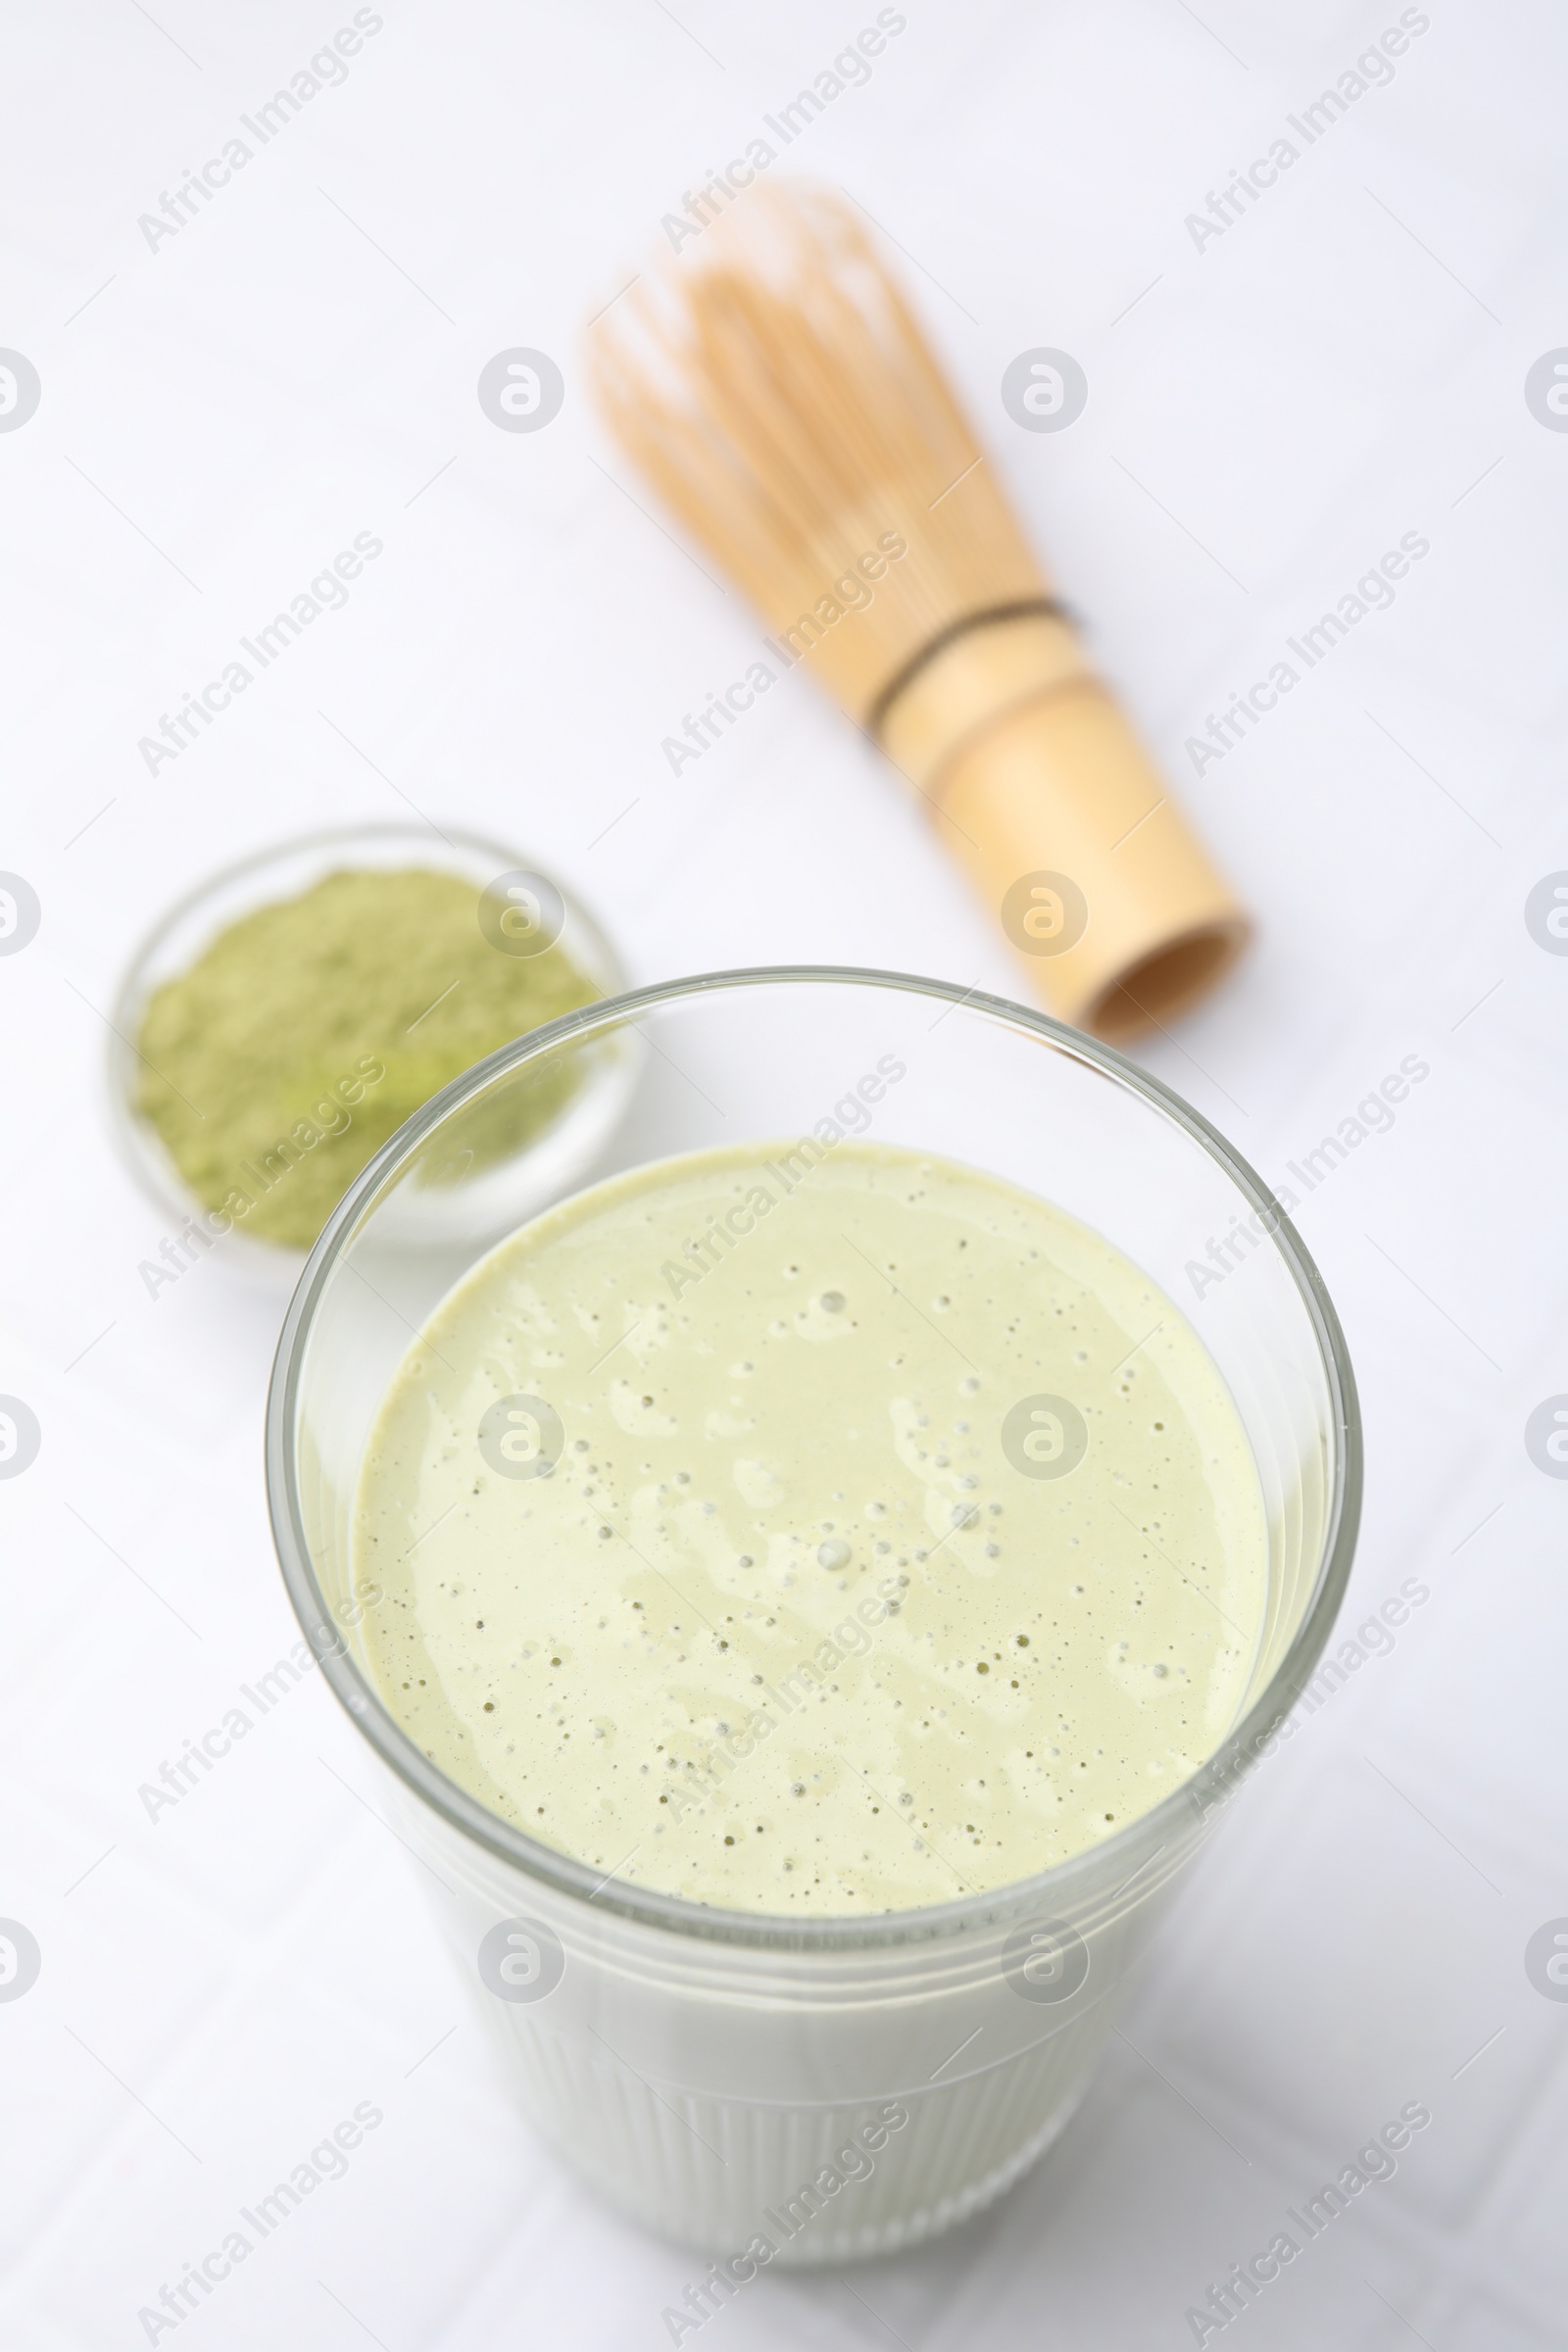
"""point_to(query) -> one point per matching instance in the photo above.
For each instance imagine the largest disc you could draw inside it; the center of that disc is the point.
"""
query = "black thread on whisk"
(1049, 608)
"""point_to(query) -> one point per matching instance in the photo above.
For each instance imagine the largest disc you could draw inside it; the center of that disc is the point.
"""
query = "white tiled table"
(1268, 412)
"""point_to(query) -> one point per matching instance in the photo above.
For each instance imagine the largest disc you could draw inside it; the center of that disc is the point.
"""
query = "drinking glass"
(811, 2089)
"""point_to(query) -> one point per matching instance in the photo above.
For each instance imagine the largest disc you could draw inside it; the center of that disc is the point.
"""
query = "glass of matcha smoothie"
(810, 1591)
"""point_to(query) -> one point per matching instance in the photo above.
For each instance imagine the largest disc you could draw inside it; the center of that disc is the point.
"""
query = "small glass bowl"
(517, 1184)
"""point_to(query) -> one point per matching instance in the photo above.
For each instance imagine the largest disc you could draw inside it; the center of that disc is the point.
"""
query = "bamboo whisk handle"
(1046, 795)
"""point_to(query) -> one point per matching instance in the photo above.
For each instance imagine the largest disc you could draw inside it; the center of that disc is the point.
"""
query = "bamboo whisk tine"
(781, 397)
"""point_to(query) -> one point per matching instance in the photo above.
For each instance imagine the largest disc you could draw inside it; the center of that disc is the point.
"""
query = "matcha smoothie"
(811, 1537)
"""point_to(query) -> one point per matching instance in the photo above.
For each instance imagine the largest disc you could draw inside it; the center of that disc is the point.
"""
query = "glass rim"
(1047, 1891)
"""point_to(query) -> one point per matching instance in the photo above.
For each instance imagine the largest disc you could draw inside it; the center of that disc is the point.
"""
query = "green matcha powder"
(310, 1030)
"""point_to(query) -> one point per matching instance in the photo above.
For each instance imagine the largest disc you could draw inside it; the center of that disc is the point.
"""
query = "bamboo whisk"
(777, 392)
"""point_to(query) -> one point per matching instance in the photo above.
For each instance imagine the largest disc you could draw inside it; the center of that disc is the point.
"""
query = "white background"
(219, 417)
